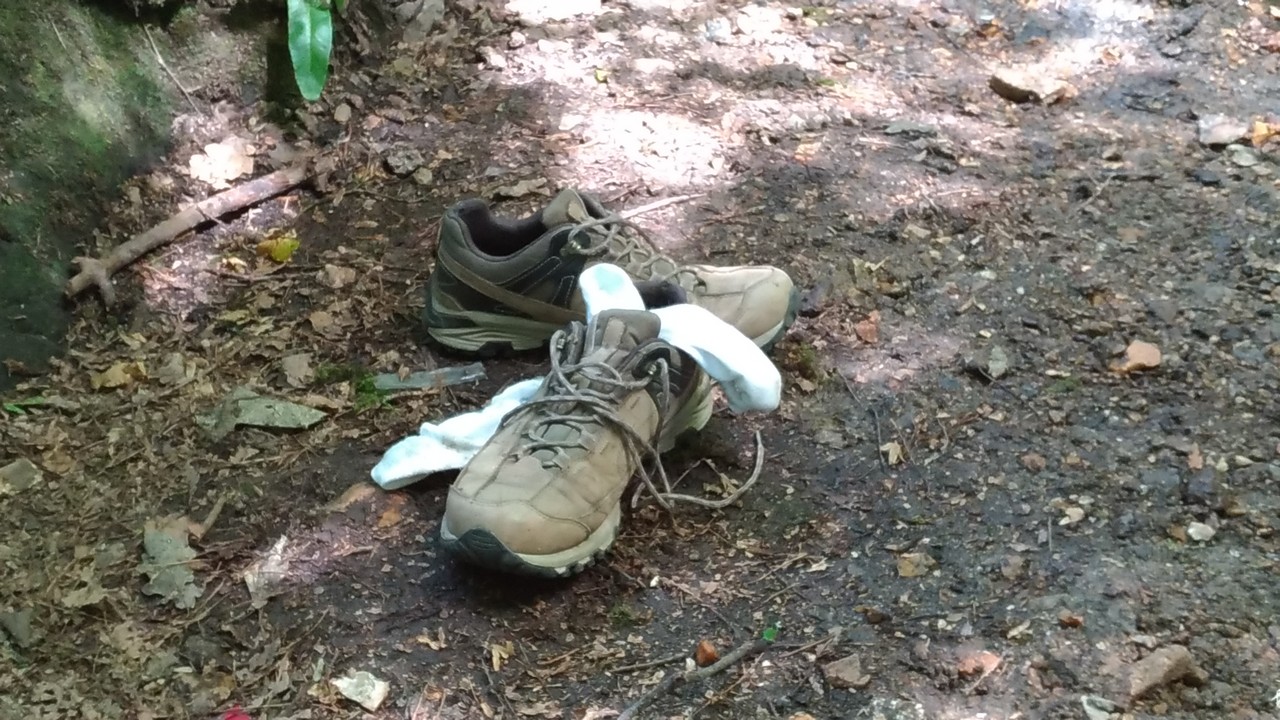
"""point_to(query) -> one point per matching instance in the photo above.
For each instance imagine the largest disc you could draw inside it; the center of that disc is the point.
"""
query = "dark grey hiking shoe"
(512, 283)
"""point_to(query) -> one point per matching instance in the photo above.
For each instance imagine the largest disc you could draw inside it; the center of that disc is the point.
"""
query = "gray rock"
(1219, 130)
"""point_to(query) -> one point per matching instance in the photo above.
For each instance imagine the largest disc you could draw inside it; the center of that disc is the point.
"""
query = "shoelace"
(599, 406)
(634, 248)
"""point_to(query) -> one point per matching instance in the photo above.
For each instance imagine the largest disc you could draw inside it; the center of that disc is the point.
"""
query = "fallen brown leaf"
(119, 375)
(356, 493)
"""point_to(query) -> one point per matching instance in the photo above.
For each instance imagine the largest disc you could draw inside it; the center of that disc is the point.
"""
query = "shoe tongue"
(610, 339)
(614, 331)
(567, 208)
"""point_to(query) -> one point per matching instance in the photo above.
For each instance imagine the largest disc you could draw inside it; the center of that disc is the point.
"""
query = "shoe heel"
(691, 418)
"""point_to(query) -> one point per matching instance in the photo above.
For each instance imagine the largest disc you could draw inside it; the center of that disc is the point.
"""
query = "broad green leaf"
(310, 44)
(771, 633)
(341, 5)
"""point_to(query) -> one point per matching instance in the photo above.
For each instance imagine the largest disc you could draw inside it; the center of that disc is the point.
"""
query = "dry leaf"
(705, 654)
(1022, 629)
(119, 375)
(1138, 356)
(363, 687)
(892, 453)
(846, 673)
(392, 515)
(522, 188)
(435, 643)
(1072, 516)
(322, 322)
(358, 492)
(1261, 131)
(499, 653)
(542, 709)
(980, 663)
(914, 564)
(1195, 460)
(297, 369)
(337, 277)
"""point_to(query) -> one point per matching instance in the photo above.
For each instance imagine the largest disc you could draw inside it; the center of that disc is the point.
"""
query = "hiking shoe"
(502, 284)
(543, 496)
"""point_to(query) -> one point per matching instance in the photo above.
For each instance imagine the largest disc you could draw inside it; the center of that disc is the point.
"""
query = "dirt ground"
(981, 499)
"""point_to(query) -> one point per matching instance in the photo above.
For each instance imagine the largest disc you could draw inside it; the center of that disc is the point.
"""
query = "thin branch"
(651, 664)
(658, 205)
(97, 272)
(668, 683)
(165, 66)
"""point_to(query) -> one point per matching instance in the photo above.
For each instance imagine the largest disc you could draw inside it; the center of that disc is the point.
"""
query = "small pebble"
(1207, 177)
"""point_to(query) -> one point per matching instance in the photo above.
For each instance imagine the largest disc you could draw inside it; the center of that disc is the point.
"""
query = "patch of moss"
(622, 615)
(1063, 386)
(804, 359)
(368, 396)
(82, 106)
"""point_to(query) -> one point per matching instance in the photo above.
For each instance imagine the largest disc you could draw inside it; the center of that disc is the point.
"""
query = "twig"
(165, 66)
(651, 664)
(668, 683)
(658, 205)
(830, 638)
(202, 528)
(58, 34)
(97, 272)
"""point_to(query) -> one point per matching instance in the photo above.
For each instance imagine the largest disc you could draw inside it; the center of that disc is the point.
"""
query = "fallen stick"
(739, 654)
(97, 272)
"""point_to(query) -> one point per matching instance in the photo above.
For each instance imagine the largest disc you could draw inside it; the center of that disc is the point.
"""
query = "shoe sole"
(482, 548)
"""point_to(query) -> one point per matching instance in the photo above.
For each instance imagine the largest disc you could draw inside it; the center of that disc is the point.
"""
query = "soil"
(981, 497)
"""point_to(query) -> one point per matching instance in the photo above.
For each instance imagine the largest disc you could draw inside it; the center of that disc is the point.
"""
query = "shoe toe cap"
(757, 299)
(517, 524)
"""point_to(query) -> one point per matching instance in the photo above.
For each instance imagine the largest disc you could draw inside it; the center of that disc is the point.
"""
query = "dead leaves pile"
(127, 428)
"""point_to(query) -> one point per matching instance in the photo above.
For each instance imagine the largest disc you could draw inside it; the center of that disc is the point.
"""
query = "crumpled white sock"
(750, 381)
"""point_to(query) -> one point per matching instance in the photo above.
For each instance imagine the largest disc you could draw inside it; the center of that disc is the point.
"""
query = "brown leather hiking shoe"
(510, 284)
(543, 496)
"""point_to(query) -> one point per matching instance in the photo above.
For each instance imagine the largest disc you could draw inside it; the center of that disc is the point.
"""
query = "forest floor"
(1027, 459)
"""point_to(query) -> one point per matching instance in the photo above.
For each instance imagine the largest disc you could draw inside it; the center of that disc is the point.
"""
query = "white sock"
(747, 377)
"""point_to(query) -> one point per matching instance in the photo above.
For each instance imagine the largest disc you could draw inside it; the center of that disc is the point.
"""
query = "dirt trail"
(976, 504)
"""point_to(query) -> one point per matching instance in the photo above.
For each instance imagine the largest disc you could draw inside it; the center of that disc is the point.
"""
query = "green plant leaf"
(341, 5)
(19, 407)
(310, 44)
(771, 633)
